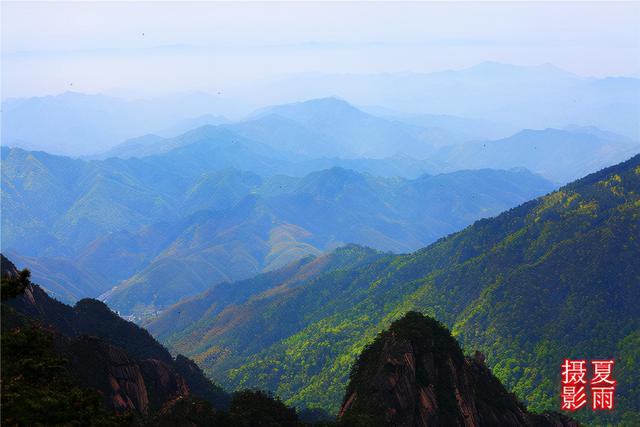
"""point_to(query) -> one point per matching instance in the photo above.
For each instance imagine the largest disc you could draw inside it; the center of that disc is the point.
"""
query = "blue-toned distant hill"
(81, 124)
(138, 212)
(130, 210)
(349, 131)
(198, 212)
(192, 123)
(443, 129)
(537, 97)
(288, 218)
(447, 107)
(559, 155)
(557, 277)
(315, 129)
(295, 139)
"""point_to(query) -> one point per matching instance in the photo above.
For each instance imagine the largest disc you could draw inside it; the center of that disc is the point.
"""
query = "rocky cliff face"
(129, 368)
(126, 383)
(416, 375)
(7, 268)
(164, 383)
(109, 370)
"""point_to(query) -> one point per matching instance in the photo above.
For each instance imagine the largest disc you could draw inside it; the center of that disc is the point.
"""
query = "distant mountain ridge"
(556, 154)
(208, 209)
(313, 129)
(330, 131)
(534, 97)
(99, 121)
(520, 96)
(280, 222)
(141, 211)
(353, 132)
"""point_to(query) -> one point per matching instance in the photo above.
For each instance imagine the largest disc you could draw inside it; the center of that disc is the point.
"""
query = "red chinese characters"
(602, 385)
(574, 383)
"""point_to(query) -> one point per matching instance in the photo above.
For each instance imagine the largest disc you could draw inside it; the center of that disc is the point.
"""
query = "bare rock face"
(132, 371)
(163, 381)
(7, 269)
(109, 370)
(415, 375)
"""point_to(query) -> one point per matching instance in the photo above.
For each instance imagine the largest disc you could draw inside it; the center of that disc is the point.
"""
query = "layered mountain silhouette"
(75, 213)
(537, 96)
(173, 224)
(553, 278)
(347, 131)
(332, 129)
(273, 249)
(102, 121)
(297, 135)
(553, 153)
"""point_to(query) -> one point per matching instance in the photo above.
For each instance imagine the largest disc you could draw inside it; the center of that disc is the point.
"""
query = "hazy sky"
(51, 47)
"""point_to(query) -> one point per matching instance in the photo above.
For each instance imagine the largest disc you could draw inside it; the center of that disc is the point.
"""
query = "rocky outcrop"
(415, 375)
(198, 383)
(7, 269)
(109, 370)
(125, 382)
(163, 382)
(130, 369)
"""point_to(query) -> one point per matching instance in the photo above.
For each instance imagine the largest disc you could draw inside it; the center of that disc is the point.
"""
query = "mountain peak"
(494, 67)
(328, 101)
(329, 178)
(415, 374)
(310, 109)
(8, 268)
(333, 103)
(205, 133)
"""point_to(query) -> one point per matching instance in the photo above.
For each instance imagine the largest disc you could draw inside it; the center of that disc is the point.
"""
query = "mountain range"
(275, 248)
(150, 225)
(553, 278)
(557, 154)
(297, 138)
(306, 136)
(445, 107)
(102, 121)
(170, 216)
(535, 97)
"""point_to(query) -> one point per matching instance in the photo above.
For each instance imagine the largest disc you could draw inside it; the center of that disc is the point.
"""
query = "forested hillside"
(555, 277)
(84, 365)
